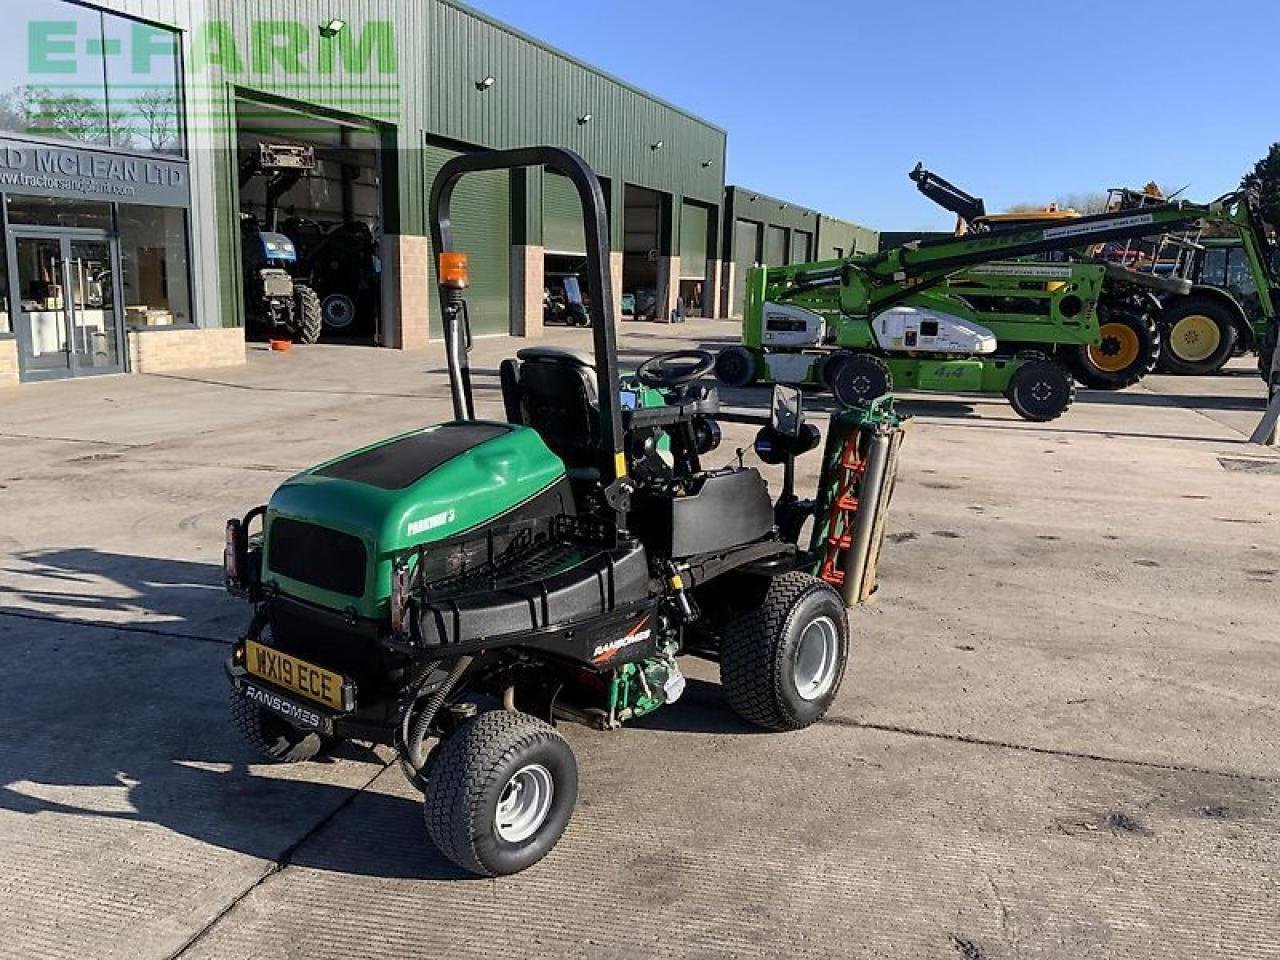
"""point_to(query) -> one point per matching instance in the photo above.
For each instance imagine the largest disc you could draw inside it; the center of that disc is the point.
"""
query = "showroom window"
(30, 211)
(59, 60)
(156, 277)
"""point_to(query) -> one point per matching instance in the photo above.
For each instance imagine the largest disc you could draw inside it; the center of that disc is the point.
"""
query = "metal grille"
(318, 556)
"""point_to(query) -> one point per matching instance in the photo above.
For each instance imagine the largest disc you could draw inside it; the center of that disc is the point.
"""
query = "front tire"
(1198, 335)
(736, 367)
(1128, 350)
(501, 792)
(1041, 390)
(307, 314)
(272, 737)
(781, 662)
(858, 378)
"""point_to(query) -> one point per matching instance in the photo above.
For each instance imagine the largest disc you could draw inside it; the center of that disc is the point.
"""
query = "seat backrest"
(558, 398)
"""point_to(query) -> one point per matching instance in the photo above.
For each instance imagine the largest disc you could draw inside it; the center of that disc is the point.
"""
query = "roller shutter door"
(481, 217)
(801, 246)
(775, 247)
(746, 247)
(561, 216)
(693, 241)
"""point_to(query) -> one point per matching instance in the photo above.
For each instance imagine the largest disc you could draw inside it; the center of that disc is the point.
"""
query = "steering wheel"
(676, 368)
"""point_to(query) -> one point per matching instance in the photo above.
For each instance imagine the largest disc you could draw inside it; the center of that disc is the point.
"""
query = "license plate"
(306, 679)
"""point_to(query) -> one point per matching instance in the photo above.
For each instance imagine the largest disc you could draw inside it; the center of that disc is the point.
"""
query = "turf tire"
(759, 650)
(273, 737)
(469, 774)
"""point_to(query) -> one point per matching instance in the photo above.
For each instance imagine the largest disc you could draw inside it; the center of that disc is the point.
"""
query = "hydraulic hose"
(422, 722)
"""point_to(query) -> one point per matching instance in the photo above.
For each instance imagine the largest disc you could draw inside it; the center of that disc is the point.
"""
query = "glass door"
(95, 340)
(67, 318)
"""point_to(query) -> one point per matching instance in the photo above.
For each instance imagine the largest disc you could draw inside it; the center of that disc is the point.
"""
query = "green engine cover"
(417, 488)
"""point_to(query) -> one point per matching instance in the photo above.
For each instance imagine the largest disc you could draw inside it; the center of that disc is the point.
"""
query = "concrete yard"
(1058, 737)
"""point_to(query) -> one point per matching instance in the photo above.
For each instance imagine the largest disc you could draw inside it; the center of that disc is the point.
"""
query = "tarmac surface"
(1057, 738)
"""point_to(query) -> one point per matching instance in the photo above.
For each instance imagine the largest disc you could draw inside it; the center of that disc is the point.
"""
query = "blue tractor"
(276, 304)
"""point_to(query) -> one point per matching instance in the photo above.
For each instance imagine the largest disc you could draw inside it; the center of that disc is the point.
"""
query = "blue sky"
(829, 103)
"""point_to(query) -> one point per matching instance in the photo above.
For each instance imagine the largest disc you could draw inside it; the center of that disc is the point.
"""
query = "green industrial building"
(126, 134)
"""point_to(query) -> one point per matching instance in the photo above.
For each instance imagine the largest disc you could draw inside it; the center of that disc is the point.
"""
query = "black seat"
(553, 390)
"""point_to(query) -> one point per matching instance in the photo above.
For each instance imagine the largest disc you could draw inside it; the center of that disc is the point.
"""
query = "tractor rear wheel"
(1040, 389)
(1127, 351)
(736, 366)
(307, 315)
(859, 378)
(1198, 335)
(782, 661)
(500, 793)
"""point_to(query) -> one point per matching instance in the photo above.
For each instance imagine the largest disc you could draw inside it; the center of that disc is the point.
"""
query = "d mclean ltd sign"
(79, 174)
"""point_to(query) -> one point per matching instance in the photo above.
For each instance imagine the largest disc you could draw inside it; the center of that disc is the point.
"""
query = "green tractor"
(451, 591)
(961, 314)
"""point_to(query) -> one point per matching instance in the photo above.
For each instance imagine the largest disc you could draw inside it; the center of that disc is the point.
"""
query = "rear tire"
(500, 794)
(307, 314)
(736, 367)
(273, 737)
(338, 313)
(1129, 349)
(1198, 335)
(859, 378)
(1041, 390)
(781, 662)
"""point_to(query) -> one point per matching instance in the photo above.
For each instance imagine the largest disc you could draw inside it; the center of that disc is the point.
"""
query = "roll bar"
(457, 334)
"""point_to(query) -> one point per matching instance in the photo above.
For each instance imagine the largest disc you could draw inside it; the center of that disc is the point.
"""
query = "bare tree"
(159, 110)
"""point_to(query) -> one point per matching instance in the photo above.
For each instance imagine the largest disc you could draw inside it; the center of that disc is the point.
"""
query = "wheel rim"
(525, 803)
(339, 312)
(1195, 337)
(1118, 350)
(817, 659)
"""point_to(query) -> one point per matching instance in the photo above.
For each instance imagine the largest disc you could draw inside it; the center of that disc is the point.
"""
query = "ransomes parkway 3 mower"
(452, 591)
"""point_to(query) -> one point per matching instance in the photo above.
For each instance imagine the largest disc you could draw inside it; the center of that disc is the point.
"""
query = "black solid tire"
(274, 738)
(468, 776)
(1147, 334)
(860, 378)
(758, 651)
(308, 316)
(828, 366)
(1041, 390)
(1182, 307)
(736, 366)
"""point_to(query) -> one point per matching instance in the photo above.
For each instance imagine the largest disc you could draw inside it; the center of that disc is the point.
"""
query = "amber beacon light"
(453, 270)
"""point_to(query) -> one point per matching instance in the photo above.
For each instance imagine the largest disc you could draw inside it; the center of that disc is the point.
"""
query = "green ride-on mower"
(452, 591)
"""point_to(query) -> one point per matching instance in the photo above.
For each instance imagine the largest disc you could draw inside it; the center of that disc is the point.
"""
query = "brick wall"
(8, 362)
(405, 298)
(159, 351)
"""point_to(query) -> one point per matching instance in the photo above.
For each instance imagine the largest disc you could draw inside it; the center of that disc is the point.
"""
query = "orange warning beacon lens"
(453, 270)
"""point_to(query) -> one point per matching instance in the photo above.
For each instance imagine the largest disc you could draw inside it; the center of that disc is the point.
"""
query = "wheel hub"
(1041, 390)
(1118, 350)
(1195, 337)
(524, 804)
(817, 659)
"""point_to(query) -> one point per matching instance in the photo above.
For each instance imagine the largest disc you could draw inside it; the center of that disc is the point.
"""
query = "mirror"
(787, 415)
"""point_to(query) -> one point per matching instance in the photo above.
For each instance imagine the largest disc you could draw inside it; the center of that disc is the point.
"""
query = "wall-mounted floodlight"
(485, 84)
(333, 28)
(755, 197)
(584, 119)
(782, 206)
(657, 145)
(707, 163)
